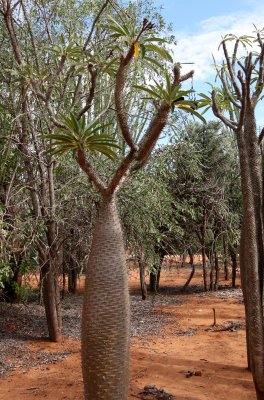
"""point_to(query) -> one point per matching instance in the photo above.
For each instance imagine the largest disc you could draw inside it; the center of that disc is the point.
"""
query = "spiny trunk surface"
(251, 251)
(105, 320)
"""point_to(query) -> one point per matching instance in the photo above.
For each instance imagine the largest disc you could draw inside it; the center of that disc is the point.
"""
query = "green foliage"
(62, 49)
(79, 135)
(201, 165)
(26, 294)
(148, 225)
(173, 97)
(125, 33)
(4, 273)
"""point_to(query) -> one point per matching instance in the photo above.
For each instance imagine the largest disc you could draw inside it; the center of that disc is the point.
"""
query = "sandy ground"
(217, 357)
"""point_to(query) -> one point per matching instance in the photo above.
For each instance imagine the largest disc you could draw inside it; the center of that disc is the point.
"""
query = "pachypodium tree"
(242, 79)
(105, 322)
(76, 63)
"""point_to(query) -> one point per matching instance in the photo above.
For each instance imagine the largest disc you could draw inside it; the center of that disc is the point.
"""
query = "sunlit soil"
(186, 342)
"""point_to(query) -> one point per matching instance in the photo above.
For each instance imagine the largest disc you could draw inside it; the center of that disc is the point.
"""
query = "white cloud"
(199, 47)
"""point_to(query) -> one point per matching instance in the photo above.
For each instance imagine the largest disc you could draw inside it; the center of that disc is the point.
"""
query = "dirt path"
(184, 342)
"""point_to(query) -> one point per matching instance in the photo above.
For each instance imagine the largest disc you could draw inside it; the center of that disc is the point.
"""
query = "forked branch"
(217, 112)
(158, 122)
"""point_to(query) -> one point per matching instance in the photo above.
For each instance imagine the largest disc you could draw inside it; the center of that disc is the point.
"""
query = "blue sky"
(199, 25)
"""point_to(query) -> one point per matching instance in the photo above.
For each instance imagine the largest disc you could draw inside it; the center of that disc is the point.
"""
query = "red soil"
(164, 361)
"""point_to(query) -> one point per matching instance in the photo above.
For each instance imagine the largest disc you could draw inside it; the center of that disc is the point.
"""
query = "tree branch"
(244, 100)
(53, 118)
(234, 54)
(87, 168)
(261, 136)
(187, 76)
(229, 94)
(248, 68)
(12, 34)
(119, 87)
(220, 115)
(90, 97)
(15, 5)
(31, 33)
(55, 77)
(119, 97)
(94, 23)
(259, 86)
(231, 72)
(157, 123)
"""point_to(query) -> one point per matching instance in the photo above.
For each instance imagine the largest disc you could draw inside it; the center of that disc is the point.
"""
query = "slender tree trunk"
(49, 298)
(50, 293)
(63, 283)
(211, 260)
(154, 278)
(158, 276)
(106, 314)
(72, 280)
(216, 271)
(191, 274)
(234, 266)
(183, 260)
(225, 260)
(203, 247)
(143, 286)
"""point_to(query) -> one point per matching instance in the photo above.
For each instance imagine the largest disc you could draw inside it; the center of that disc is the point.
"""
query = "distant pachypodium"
(242, 82)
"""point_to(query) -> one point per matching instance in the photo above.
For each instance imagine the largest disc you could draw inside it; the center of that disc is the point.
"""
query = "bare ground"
(173, 346)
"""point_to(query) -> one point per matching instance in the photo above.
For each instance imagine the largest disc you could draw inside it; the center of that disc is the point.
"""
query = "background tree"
(240, 91)
(195, 175)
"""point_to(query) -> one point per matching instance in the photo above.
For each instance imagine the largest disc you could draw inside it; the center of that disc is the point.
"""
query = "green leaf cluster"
(79, 135)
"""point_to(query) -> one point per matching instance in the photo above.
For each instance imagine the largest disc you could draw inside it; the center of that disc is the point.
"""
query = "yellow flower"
(136, 49)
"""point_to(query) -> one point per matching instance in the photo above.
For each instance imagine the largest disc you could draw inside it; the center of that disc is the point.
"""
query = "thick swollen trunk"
(251, 251)
(106, 314)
